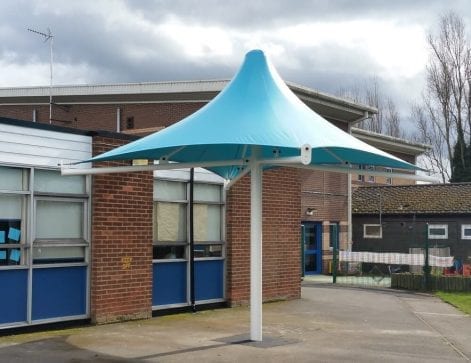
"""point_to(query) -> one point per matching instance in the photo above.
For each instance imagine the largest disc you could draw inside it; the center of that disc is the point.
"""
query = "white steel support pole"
(256, 252)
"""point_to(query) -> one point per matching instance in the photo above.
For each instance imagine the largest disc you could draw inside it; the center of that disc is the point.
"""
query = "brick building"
(99, 248)
(319, 201)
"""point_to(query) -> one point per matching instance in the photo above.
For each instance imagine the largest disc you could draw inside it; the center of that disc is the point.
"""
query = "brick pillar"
(121, 248)
(281, 237)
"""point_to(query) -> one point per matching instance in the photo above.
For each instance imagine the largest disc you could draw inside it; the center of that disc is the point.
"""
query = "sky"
(325, 45)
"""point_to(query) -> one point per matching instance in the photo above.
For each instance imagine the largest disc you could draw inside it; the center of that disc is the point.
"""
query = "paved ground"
(329, 324)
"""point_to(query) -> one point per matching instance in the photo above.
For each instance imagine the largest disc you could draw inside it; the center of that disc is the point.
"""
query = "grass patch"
(461, 300)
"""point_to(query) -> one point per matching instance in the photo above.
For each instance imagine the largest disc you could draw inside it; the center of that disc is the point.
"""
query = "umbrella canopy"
(255, 122)
(255, 109)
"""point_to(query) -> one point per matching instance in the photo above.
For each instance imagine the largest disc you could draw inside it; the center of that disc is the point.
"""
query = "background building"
(143, 247)
(395, 218)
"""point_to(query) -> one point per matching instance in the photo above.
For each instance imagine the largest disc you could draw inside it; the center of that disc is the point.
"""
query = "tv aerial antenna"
(48, 37)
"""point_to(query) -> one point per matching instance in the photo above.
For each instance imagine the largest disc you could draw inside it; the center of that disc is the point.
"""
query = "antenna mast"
(48, 36)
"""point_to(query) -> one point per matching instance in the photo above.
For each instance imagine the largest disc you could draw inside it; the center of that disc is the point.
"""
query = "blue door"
(312, 245)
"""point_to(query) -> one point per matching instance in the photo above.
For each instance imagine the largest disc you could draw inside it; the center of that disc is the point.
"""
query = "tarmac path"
(328, 324)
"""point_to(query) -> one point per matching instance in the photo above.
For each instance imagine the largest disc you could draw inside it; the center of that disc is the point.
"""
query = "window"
(371, 178)
(372, 231)
(60, 218)
(171, 219)
(170, 212)
(438, 231)
(363, 168)
(56, 206)
(49, 181)
(389, 179)
(208, 251)
(130, 122)
(12, 227)
(361, 177)
(13, 214)
(466, 231)
(208, 212)
(13, 179)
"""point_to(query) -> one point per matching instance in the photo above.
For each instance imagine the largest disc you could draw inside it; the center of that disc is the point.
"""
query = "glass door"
(312, 245)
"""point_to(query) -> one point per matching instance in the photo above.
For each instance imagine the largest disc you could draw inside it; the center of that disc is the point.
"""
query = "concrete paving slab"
(328, 324)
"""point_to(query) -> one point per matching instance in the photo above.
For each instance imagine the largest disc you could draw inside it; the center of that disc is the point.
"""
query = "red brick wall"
(326, 192)
(281, 237)
(103, 116)
(121, 248)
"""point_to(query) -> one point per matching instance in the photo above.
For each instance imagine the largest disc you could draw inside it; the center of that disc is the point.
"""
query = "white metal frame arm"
(66, 170)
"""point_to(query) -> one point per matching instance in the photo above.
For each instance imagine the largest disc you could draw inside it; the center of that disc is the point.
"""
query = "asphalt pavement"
(328, 324)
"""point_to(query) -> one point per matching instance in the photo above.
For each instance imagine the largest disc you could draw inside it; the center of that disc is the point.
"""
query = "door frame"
(317, 252)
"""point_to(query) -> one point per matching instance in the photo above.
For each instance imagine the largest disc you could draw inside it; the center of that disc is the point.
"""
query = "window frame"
(82, 242)
(25, 195)
(371, 178)
(463, 228)
(372, 236)
(437, 226)
(221, 203)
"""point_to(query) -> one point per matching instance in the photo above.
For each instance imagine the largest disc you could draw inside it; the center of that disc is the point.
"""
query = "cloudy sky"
(326, 45)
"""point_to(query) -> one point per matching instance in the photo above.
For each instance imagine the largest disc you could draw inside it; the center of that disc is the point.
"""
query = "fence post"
(335, 254)
(303, 236)
(426, 267)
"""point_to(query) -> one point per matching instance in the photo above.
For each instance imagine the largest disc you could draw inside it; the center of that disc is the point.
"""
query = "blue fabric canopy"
(255, 109)
(256, 119)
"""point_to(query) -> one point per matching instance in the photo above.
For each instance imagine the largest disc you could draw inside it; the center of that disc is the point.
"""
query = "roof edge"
(68, 130)
(390, 142)
(328, 97)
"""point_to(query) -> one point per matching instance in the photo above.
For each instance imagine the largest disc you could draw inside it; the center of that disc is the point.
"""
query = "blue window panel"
(13, 297)
(169, 283)
(209, 279)
(59, 292)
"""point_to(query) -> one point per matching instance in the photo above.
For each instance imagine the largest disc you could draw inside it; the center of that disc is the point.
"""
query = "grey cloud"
(259, 14)
(84, 38)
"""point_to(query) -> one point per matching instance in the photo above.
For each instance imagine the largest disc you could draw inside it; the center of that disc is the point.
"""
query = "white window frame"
(436, 226)
(365, 235)
(186, 202)
(463, 228)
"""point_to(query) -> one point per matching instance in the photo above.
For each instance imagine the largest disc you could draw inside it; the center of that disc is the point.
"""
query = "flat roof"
(68, 130)
(329, 106)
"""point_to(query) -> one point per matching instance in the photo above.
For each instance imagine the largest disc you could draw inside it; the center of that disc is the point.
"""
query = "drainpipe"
(192, 242)
(365, 116)
(118, 119)
(349, 212)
